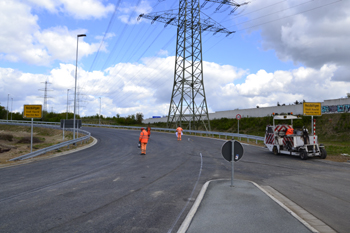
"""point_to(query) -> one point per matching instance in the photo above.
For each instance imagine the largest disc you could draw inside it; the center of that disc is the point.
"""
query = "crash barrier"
(195, 132)
(53, 125)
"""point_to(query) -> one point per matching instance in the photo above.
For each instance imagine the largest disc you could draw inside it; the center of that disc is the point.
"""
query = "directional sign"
(32, 111)
(226, 150)
(312, 109)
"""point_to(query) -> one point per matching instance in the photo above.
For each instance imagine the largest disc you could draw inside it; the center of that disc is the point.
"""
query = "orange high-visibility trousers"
(143, 148)
(179, 131)
(179, 136)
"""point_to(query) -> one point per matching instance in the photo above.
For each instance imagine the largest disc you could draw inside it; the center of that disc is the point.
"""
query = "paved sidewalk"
(242, 208)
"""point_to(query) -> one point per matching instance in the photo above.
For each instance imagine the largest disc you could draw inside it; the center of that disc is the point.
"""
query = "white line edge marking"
(183, 209)
(287, 209)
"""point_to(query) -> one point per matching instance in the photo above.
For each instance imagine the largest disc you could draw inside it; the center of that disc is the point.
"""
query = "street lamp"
(67, 105)
(8, 97)
(75, 90)
(99, 116)
(11, 107)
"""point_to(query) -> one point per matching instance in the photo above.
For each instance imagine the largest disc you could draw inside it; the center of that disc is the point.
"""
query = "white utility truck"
(299, 143)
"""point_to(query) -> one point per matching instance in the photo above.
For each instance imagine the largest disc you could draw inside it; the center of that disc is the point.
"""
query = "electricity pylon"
(188, 101)
(45, 110)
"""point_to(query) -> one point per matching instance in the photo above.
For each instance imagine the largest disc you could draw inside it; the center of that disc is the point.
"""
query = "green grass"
(337, 148)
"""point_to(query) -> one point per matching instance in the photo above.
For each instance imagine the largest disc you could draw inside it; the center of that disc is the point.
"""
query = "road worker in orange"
(143, 140)
(149, 130)
(179, 132)
(289, 131)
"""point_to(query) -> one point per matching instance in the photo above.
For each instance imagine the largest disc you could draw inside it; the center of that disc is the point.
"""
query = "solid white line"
(183, 209)
(287, 209)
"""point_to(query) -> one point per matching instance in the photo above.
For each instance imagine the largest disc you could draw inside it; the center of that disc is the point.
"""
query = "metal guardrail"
(56, 125)
(195, 132)
(50, 148)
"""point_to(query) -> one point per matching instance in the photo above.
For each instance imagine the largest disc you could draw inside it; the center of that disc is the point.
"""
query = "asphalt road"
(110, 187)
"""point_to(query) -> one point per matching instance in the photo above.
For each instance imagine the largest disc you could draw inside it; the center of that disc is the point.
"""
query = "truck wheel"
(275, 151)
(323, 153)
(303, 155)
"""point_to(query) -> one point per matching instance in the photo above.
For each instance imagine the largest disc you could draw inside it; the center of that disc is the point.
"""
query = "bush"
(6, 137)
(27, 140)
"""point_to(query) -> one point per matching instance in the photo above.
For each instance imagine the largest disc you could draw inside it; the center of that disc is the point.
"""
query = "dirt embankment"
(15, 141)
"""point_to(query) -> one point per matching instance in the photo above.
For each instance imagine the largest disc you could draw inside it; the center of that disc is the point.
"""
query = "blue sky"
(282, 51)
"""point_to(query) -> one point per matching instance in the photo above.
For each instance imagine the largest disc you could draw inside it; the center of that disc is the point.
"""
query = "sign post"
(32, 111)
(232, 164)
(312, 109)
(238, 117)
(232, 151)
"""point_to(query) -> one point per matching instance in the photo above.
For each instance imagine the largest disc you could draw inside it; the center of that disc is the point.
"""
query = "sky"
(282, 51)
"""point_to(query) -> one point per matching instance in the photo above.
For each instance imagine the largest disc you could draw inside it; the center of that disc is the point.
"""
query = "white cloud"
(130, 88)
(266, 89)
(128, 13)
(162, 52)
(313, 33)
(22, 40)
(79, 9)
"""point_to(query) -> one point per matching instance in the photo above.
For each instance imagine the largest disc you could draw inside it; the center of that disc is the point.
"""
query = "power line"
(104, 37)
(271, 21)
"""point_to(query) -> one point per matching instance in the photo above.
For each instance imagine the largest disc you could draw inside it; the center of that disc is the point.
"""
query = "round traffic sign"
(226, 150)
(238, 116)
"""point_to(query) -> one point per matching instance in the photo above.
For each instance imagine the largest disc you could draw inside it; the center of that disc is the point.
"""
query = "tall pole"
(11, 107)
(8, 96)
(99, 116)
(75, 87)
(67, 105)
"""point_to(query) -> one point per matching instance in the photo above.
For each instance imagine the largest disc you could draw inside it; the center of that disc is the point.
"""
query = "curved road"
(110, 187)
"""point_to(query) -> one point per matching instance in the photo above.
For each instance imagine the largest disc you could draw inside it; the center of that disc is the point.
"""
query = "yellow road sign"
(32, 111)
(312, 109)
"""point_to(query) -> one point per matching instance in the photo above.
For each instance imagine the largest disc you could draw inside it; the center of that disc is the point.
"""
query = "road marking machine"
(283, 139)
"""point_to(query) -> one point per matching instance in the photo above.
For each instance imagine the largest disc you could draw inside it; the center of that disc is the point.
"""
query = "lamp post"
(75, 90)
(8, 96)
(67, 105)
(11, 107)
(99, 116)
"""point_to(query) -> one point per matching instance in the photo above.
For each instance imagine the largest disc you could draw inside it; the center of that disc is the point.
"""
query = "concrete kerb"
(186, 223)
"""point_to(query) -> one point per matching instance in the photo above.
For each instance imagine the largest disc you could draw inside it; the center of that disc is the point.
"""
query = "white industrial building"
(328, 107)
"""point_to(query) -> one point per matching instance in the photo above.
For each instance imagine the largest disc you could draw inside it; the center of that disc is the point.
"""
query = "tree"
(139, 117)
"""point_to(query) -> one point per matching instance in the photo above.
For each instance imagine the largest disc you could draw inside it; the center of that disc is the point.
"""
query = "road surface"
(110, 187)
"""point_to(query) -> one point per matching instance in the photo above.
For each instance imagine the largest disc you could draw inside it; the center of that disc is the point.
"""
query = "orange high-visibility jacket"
(143, 136)
(289, 131)
(179, 130)
(149, 130)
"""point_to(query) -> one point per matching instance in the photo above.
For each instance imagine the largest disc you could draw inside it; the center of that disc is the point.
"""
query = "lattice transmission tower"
(188, 102)
(45, 90)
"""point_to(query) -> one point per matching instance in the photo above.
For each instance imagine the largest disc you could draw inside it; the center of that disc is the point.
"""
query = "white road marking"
(190, 198)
